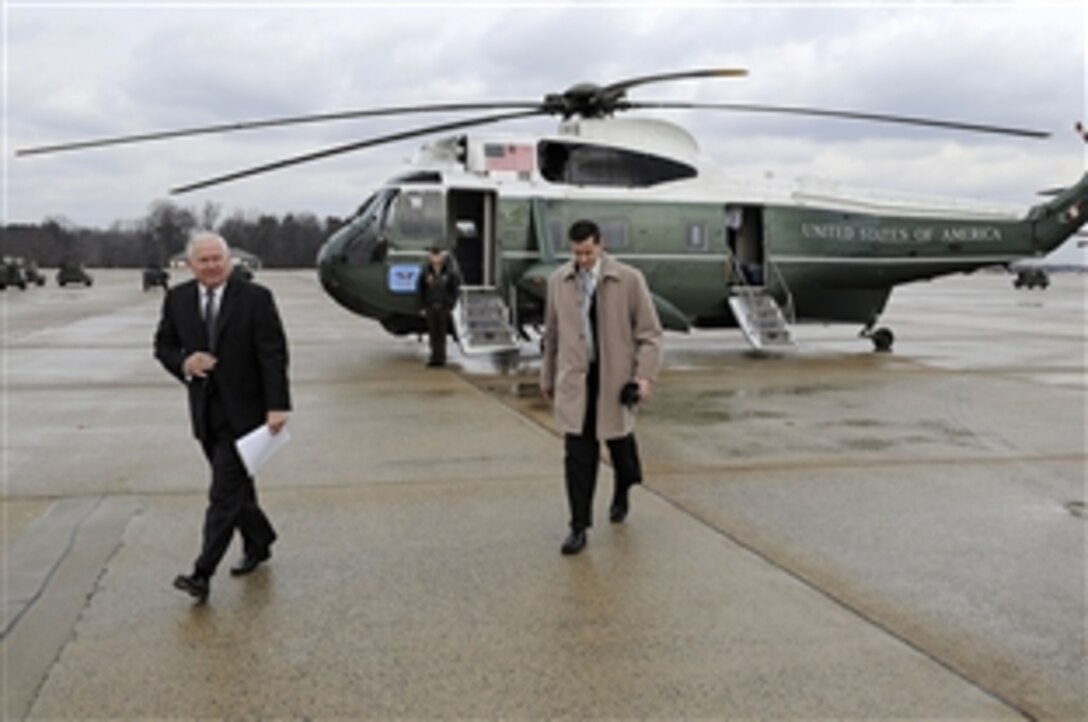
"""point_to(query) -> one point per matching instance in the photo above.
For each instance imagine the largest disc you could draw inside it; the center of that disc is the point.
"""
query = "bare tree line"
(290, 241)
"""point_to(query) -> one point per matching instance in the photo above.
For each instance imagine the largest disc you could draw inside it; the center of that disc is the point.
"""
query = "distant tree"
(63, 233)
(235, 229)
(290, 242)
(209, 215)
(310, 236)
(165, 231)
(31, 241)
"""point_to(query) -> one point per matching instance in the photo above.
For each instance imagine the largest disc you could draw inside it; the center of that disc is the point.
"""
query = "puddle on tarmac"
(514, 389)
(769, 391)
(868, 444)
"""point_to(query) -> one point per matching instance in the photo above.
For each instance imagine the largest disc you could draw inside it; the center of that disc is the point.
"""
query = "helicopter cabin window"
(420, 214)
(594, 165)
(557, 237)
(696, 237)
(613, 233)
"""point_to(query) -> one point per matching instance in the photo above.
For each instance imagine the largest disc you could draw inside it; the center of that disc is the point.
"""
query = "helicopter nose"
(332, 273)
(326, 270)
(326, 263)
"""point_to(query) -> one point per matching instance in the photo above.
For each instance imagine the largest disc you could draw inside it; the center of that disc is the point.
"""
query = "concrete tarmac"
(831, 533)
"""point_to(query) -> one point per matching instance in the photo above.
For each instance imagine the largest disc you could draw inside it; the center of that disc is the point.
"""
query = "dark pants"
(232, 499)
(437, 329)
(582, 458)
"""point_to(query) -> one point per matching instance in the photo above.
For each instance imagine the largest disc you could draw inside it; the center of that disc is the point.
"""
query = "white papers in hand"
(257, 447)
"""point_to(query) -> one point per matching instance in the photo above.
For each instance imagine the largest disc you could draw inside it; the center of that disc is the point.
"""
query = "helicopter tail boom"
(1059, 218)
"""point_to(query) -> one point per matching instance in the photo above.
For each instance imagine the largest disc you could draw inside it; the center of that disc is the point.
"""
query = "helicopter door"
(473, 241)
(481, 317)
(744, 233)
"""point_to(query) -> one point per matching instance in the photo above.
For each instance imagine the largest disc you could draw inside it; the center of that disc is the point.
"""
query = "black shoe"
(574, 543)
(618, 511)
(248, 563)
(196, 586)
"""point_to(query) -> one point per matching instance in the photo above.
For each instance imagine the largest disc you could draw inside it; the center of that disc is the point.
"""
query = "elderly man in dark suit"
(602, 352)
(222, 337)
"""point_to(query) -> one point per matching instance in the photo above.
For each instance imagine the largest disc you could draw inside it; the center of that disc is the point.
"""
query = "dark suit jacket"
(250, 375)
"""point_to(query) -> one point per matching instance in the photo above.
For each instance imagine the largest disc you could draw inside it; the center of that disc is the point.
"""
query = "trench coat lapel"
(609, 272)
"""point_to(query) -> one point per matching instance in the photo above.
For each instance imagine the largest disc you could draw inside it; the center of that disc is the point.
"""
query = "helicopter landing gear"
(882, 338)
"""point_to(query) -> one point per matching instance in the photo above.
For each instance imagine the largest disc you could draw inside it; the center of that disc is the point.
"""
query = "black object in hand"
(629, 395)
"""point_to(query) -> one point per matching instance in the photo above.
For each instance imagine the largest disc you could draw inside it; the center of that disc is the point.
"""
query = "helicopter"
(716, 251)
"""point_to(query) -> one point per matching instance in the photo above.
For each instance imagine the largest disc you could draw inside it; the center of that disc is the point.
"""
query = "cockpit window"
(388, 209)
(595, 165)
(363, 207)
(365, 243)
(420, 214)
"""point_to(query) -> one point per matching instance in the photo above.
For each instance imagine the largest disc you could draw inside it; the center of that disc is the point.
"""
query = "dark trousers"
(232, 499)
(437, 328)
(582, 458)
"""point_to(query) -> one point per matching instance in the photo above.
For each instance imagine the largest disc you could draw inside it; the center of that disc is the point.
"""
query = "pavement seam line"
(99, 499)
(841, 603)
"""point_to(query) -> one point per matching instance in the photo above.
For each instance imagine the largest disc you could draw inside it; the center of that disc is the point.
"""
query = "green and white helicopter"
(717, 251)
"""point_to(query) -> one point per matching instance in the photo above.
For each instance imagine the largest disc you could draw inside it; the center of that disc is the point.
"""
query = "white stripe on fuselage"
(799, 260)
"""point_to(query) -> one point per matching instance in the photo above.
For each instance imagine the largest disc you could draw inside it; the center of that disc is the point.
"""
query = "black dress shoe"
(618, 511)
(575, 542)
(248, 563)
(197, 587)
(620, 506)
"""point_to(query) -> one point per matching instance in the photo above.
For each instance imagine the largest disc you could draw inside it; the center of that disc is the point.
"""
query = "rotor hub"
(586, 100)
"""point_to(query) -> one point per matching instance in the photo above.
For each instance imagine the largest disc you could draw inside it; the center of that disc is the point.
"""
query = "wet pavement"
(831, 533)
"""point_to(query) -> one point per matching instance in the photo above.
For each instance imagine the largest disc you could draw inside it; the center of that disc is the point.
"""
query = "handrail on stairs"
(740, 279)
(790, 310)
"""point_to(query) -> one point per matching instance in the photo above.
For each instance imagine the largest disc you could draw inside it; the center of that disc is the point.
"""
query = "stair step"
(483, 324)
(760, 318)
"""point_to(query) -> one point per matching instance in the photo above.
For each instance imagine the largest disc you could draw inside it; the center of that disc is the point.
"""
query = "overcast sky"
(78, 70)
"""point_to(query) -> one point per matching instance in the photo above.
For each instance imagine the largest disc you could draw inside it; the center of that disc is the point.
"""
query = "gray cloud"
(83, 72)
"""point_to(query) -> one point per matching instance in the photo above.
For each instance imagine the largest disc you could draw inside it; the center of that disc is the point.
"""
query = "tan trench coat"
(629, 341)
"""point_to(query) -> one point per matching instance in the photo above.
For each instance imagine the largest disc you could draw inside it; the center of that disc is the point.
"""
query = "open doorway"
(744, 234)
(472, 236)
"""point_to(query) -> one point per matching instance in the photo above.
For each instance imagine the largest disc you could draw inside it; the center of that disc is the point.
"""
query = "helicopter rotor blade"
(271, 123)
(845, 114)
(358, 145)
(681, 75)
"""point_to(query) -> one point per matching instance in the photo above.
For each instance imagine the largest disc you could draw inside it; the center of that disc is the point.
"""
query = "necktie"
(585, 288)
(209, 317)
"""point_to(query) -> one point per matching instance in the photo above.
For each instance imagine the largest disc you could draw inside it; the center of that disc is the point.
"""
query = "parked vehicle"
(1030, 278)
(242, 271)
(155, 276)
(73, 272)
(33, 273)
(12, 273)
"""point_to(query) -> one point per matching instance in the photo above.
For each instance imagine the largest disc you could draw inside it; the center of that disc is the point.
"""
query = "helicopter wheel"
(882, 339)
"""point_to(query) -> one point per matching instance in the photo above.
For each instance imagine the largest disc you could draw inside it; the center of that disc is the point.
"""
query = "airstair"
(758, 314)
(482, 320)
(760, 318)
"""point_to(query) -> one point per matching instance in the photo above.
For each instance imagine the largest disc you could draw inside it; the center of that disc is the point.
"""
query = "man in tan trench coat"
(601, 334)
